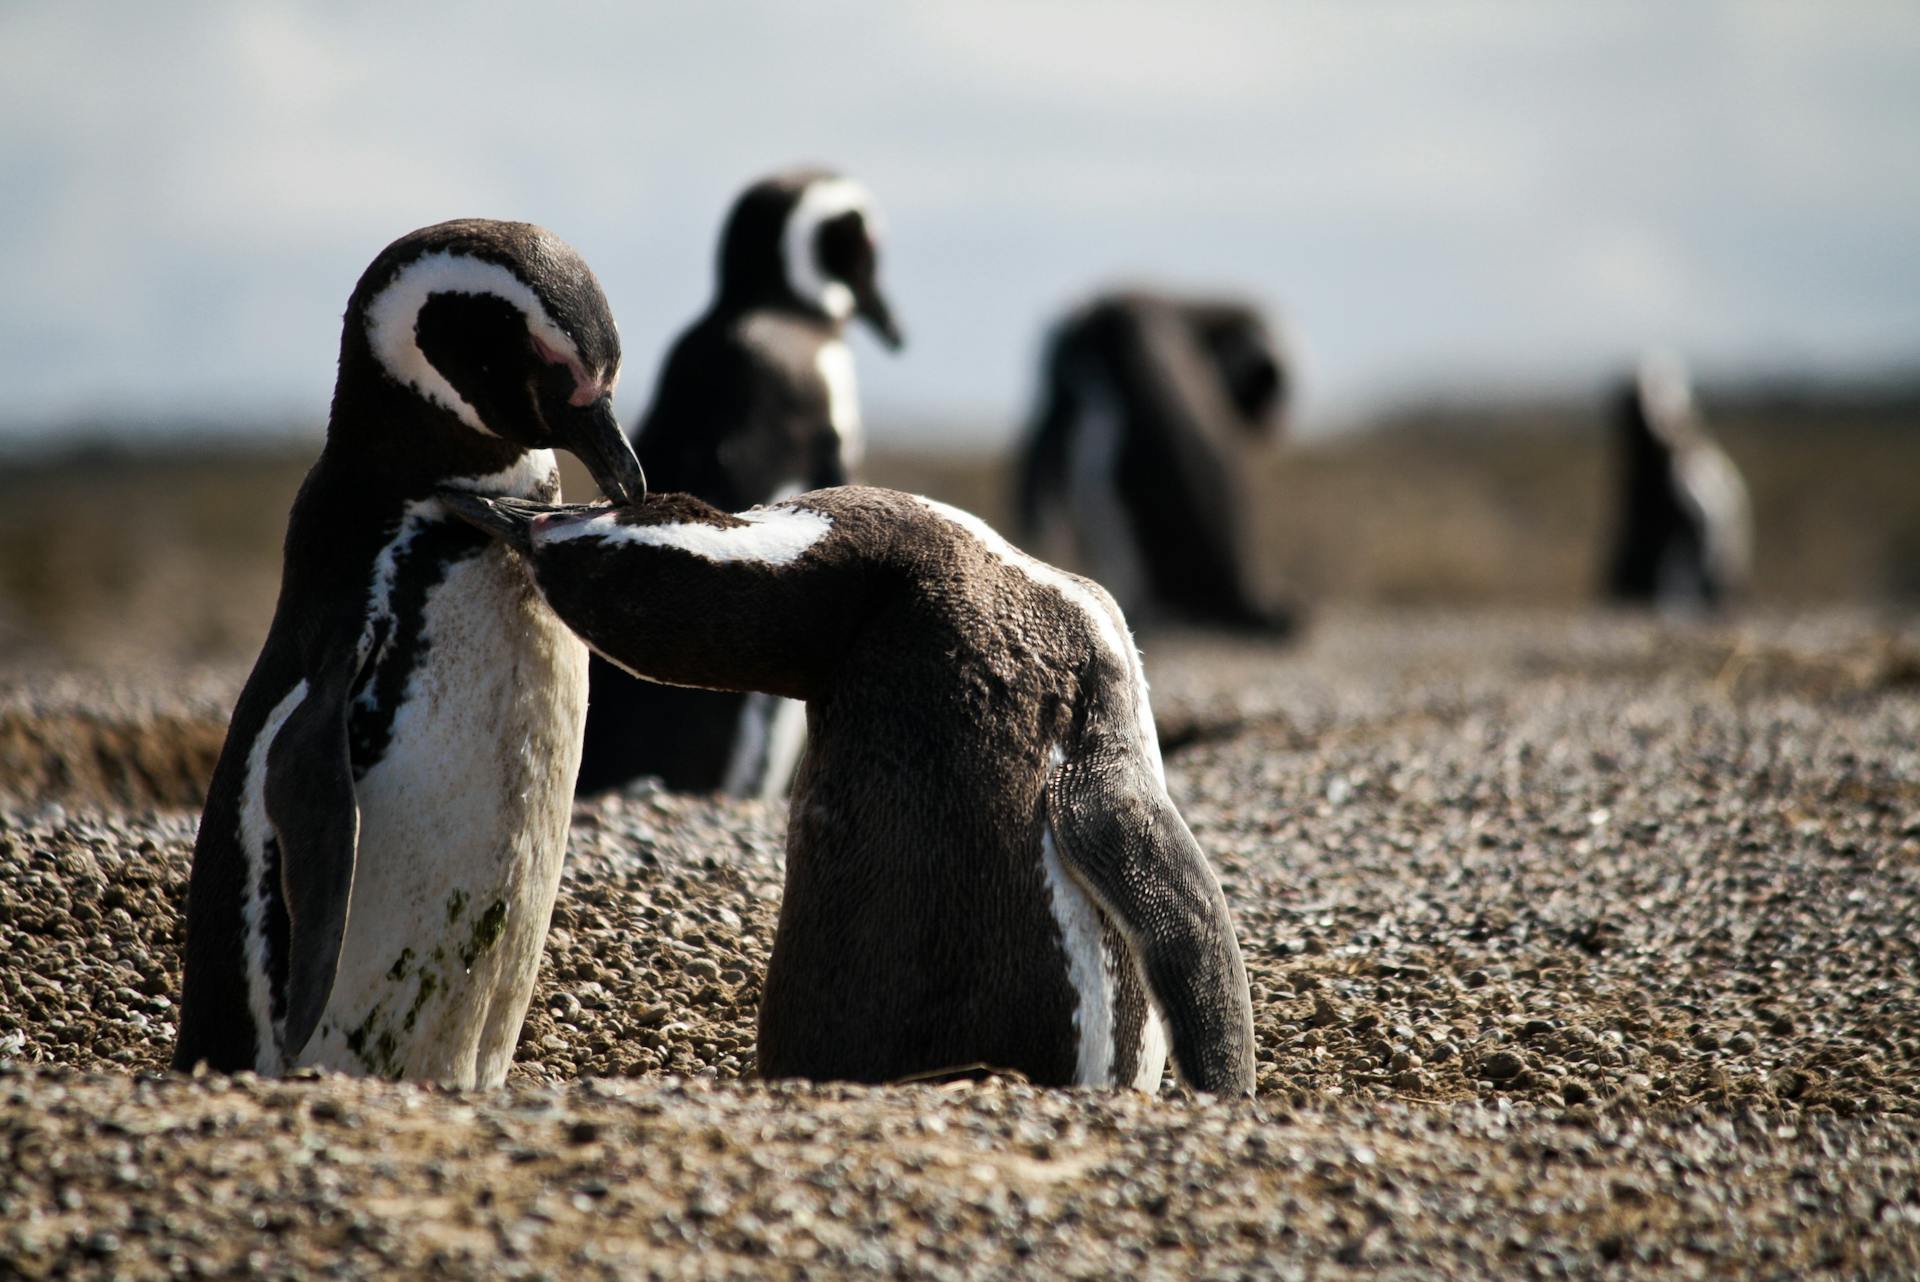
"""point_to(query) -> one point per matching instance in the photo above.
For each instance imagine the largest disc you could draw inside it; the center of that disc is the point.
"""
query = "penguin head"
(808, 239)
(1248, 359)
(501, 329)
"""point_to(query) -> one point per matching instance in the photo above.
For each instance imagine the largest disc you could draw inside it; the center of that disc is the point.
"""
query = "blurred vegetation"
(115, 555)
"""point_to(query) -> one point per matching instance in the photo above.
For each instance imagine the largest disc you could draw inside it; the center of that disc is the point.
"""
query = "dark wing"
(316, 819)
(1117, 830)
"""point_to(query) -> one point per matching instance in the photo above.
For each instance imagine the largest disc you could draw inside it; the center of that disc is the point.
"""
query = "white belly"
(463, 826)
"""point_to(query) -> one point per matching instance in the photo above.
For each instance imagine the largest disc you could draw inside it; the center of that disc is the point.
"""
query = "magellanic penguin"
(984, 869)
(382, 840)
(1152, 408)
(1684, 538)
(756, 402)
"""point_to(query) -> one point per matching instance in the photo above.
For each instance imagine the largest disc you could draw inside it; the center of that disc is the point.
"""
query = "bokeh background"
(1472, 217)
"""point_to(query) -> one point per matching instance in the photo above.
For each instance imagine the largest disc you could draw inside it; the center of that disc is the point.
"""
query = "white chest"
(835, 364)
(463, 825)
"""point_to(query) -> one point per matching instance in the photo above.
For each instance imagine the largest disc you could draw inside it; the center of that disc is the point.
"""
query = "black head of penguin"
(806, 239)
(1236, 339)
(498, 339)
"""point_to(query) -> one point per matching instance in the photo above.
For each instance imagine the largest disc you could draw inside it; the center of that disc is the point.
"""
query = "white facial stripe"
(395, 312)
(771, 536)
(821, 202)
(835, 363)
(255, 829)
(1109, 626)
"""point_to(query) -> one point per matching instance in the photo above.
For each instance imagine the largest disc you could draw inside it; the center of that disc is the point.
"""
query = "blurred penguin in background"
(756, 403)
(1153, 408)
(1685, 535)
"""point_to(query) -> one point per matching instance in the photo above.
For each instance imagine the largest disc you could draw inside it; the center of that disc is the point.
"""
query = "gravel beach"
(1580, 946)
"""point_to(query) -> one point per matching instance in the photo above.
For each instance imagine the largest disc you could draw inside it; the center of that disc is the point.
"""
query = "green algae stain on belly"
(487, 929)
(375, 1046)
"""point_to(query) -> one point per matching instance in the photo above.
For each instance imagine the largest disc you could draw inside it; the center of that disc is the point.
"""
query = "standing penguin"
(1685, 533)
(756, 402)
(382, 841)
(1135, 464)
(984, 869)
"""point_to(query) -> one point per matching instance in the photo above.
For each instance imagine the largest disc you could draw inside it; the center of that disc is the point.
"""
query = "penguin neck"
(745, 299)
(400, 443)
(682, 593)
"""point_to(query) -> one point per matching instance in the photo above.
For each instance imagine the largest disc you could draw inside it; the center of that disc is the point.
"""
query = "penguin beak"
(508, 520)
(592, 434)
(871, 306)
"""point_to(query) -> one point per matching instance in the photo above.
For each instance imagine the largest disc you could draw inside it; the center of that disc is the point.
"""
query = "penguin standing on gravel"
(756, 402)
(1685, 532)
(1135, 463)
(382, 841)
(984, 870)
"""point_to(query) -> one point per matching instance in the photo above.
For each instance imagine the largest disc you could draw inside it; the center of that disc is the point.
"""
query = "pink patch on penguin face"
(586, 390)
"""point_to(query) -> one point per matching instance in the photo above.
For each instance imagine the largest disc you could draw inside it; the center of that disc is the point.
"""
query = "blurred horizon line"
(1891, 388)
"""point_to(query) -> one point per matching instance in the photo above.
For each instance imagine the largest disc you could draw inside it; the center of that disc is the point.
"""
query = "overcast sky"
(1433, 194)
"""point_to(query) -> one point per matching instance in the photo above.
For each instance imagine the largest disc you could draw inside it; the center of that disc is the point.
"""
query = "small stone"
(1502, 1066)
(1628, 1192)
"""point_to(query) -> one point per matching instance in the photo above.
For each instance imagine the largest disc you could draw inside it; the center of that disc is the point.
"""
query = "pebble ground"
(1580, 947)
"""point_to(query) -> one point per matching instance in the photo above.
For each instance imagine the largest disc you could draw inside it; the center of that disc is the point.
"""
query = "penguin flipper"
(316, 819)
(1118, 832)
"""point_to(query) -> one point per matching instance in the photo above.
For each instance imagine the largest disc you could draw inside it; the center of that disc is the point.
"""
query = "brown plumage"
(983, 865)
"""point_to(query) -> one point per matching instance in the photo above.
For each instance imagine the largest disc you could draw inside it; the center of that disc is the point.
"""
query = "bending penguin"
(1150, 407)
(756, 402)
(1685, 534)
(984, 869)
(381, 844)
